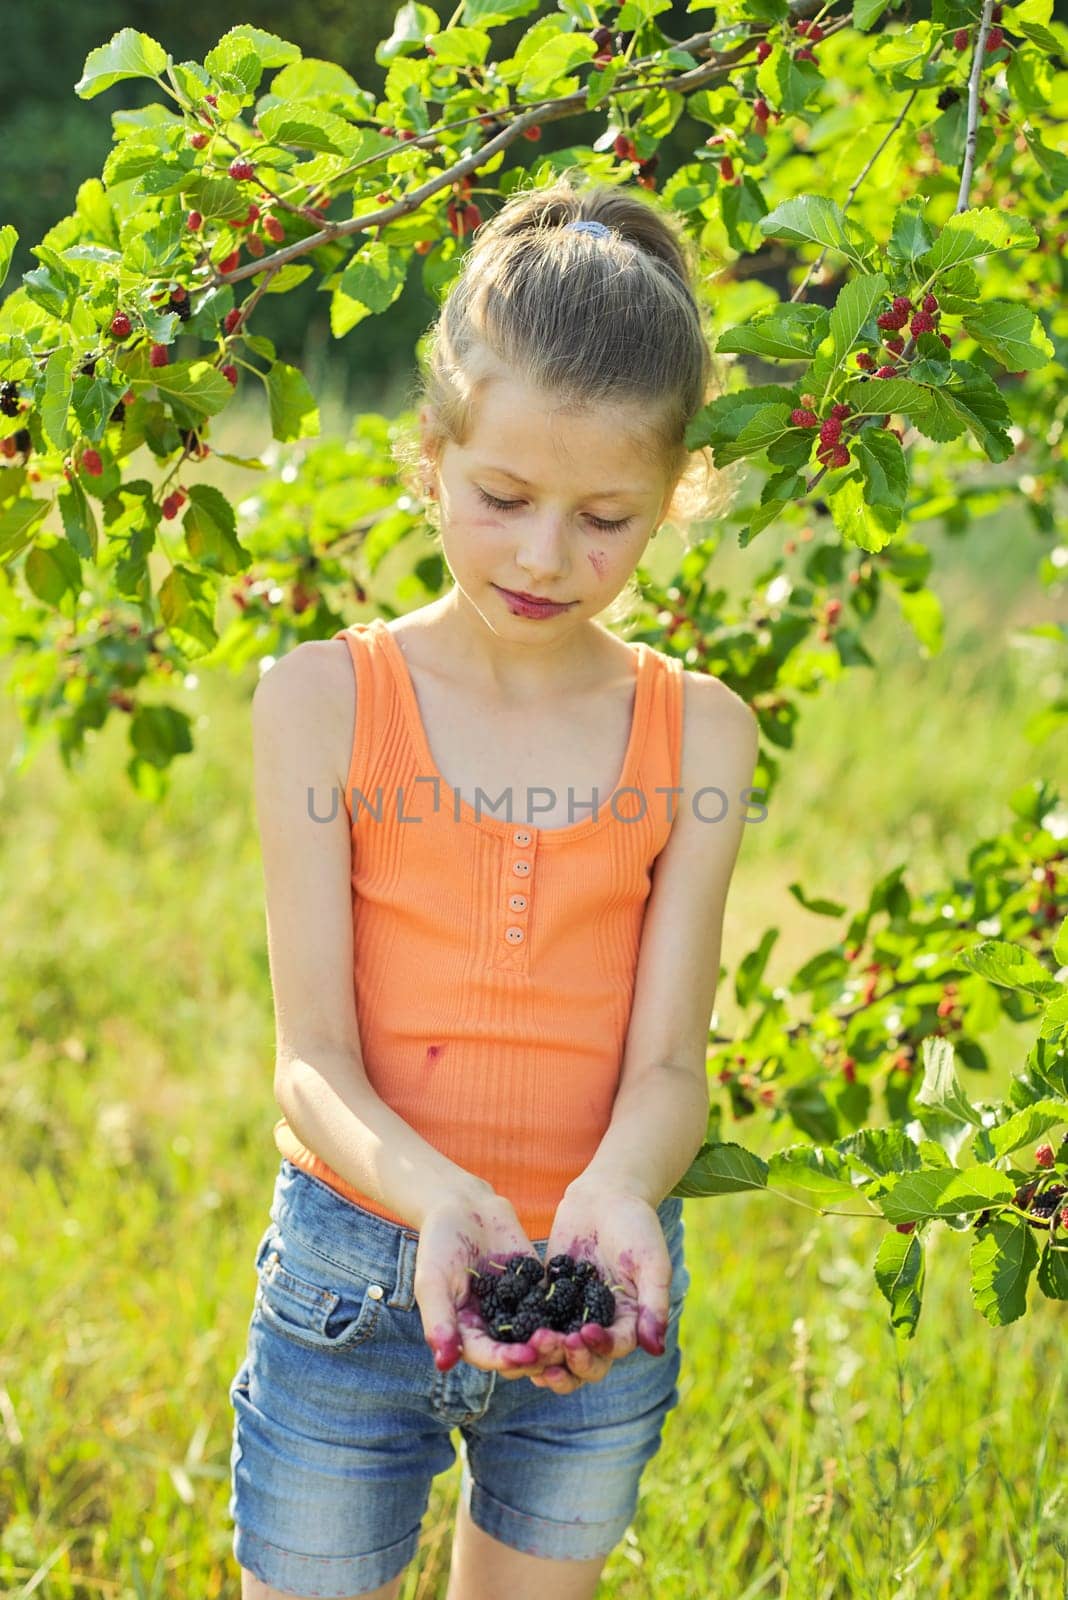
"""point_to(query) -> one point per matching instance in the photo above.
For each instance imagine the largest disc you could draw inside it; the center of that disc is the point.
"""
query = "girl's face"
(545, 502)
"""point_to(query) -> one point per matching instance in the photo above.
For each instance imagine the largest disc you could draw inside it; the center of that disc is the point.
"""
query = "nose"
(542, 550)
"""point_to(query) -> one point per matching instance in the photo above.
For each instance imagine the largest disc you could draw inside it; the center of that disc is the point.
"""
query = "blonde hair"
(591, 320)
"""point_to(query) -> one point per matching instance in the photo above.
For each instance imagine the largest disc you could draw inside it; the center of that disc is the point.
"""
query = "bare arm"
(319, 1082)
(660, 1114)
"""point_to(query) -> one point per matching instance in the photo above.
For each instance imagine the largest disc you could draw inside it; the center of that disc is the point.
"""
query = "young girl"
(494, 962)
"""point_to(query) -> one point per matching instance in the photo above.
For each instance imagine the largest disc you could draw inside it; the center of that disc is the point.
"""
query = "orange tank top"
(494, 962)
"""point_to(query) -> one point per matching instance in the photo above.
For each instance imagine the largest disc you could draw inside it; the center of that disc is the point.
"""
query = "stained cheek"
(598, 561)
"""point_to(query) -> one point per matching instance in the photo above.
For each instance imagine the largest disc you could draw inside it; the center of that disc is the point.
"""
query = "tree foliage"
(906, 175)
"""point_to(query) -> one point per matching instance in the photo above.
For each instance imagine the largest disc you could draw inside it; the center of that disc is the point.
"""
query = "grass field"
(136, 1041)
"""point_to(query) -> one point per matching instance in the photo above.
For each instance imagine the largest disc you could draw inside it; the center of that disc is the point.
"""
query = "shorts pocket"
(316, 1315)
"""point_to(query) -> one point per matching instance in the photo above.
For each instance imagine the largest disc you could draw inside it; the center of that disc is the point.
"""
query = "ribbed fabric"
(493, 961)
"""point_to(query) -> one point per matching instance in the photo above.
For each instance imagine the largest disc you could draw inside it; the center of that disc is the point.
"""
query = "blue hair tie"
(597, 228)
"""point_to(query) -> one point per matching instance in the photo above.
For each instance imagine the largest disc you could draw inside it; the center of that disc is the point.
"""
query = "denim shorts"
(342, 1420)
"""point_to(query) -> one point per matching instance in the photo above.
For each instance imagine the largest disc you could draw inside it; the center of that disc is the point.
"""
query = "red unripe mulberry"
(726, 169)
(92, 464)
(256, 245)
(472, 217)
(995, 39)
(229, 372)
(240, 169)
(830, 431)
(120, 325)
(158, 356)
(840, 410)
(865, 362)
(902, 303)
(886, 372)
(960, 39)
(804, 419)
(228, 263)
(533, 132)
(840, 456)
(273, 229)
(625, 148)
(198, 140)
(1044, 1156)
(193, 221)
(946, 340)
(761, 110)
(232, 319)
(173, 504)
(896, 345)
(921, 323)
(763, 50)
(905, 1227)
(804, 54)
(815, 33)
(930, 304)
(834, 610)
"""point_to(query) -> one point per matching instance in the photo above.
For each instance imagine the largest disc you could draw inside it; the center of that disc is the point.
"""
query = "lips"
(536, 599)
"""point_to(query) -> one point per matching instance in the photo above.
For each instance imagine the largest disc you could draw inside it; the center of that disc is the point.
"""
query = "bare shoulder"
(309, 695)
(716, 719)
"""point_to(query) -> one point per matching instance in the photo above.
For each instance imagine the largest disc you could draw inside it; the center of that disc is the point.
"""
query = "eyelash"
(599, 523)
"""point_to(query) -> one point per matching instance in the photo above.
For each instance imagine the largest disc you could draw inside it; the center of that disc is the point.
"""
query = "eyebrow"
(594, 494)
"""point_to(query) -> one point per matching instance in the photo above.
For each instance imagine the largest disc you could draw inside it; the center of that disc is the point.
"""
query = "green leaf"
(784, 333)
(159, 733)
(271, 50)
(751, 967)
(1053, 1270)
(1060, 943)
(55, 402)
(945, 1192)
(127, 54)
(1011, 333)
(211, 531)
(460, 47)
(1009, 965)
(881, 459)
(187, 606)
(411, 26)
(375, 276)
(1025, 1126)
(8, 240)
(768, 424)
(857, 522)
(79, 519)
(1004, 1255)
(313, 129)
(852, 309)
(941, 1088)
(547, 69)
(17, 522)
(196, 384)
(294, 413)
(922, 610)
(822, 908)
(812, 219)
(899, 1273)
(490, 13)
(967, 235)
(53, 571)
(722, 1168)
(815, 1170)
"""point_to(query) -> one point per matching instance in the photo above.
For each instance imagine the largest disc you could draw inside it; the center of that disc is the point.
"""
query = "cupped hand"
(621, 1234)
(458, 1240)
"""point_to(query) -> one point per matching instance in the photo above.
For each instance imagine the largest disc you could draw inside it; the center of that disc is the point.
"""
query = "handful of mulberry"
(517, 1297)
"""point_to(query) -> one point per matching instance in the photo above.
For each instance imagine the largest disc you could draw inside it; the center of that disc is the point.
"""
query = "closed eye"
(599, 523)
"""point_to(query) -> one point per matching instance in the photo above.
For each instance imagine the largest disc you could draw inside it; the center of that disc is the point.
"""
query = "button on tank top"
(494, 961)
